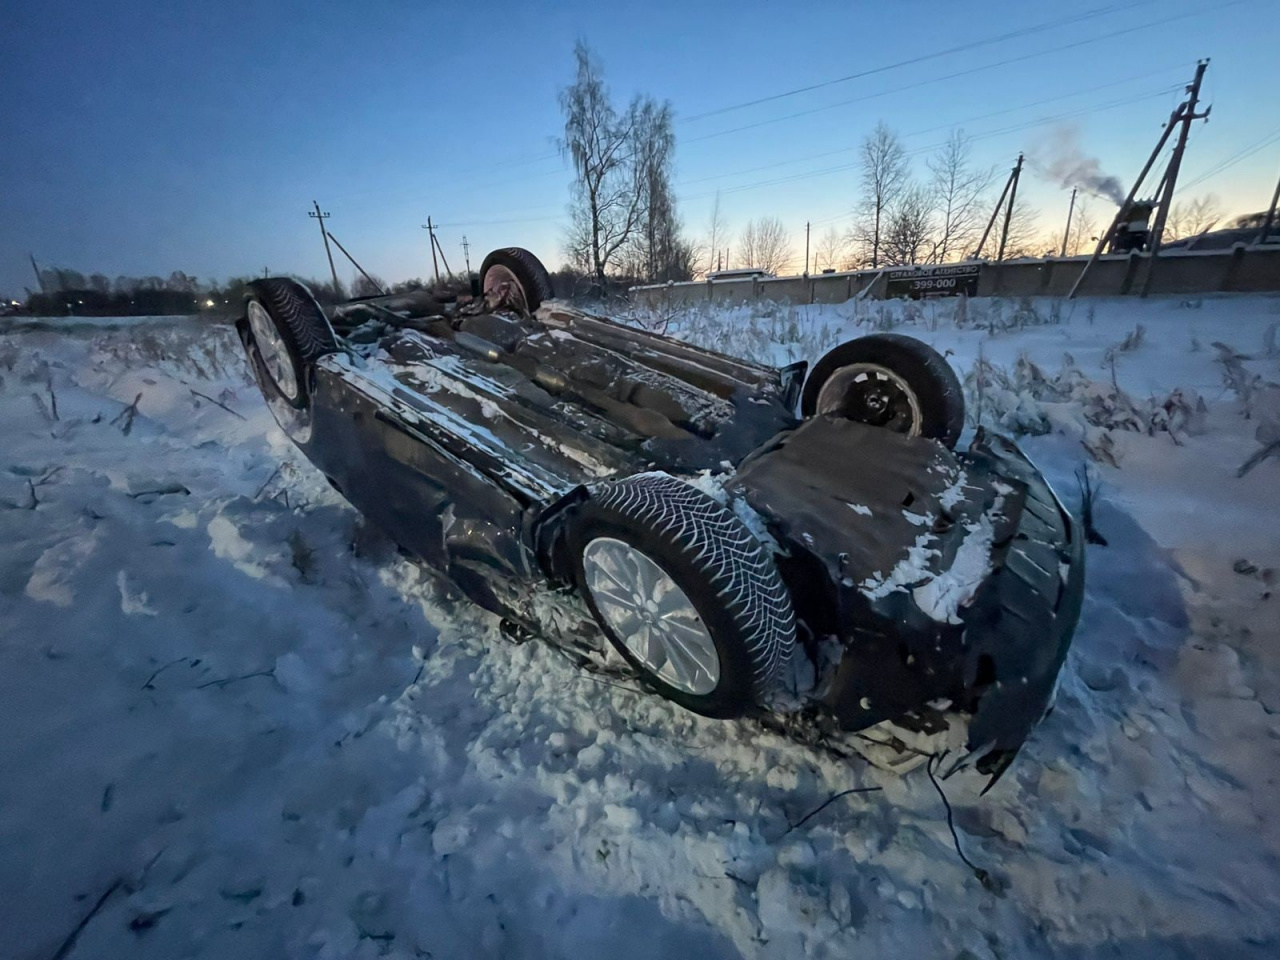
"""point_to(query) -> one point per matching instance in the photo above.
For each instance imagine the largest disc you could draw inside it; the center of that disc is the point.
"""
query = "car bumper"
(1024, 618)
(953, 581)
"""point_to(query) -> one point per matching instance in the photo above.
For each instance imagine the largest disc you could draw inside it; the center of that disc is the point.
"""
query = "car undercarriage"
(828, 571)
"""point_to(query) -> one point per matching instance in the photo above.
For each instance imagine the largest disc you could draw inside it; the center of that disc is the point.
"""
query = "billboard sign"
(944, 280)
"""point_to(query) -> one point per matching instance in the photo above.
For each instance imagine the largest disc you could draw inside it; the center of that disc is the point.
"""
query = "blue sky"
(148, 137)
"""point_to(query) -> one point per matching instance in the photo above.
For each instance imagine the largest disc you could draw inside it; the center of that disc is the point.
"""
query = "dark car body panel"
(470, 440)
(845, 498)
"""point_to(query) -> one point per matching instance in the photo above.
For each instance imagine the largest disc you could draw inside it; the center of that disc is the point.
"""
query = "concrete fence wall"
(1242, 269)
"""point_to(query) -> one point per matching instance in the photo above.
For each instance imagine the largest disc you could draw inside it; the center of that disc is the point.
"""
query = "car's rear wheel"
(290, 332)
(684, 592)
(514, 277)
(891, 381)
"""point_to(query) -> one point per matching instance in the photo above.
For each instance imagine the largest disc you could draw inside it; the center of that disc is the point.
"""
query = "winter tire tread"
(730, 570)
(926, 371)
(528, 269)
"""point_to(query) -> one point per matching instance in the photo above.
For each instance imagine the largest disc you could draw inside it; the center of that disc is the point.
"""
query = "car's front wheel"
(514, 277)
(684, 592)
(290, 332)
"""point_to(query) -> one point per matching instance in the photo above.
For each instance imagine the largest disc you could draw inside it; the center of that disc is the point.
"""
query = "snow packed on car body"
(827, 573)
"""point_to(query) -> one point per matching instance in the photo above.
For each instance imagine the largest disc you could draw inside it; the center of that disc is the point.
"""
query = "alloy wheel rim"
(272, 350)
(651, 615)
(872, 394)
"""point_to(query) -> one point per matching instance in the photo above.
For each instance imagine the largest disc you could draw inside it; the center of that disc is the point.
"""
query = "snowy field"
(237, 724)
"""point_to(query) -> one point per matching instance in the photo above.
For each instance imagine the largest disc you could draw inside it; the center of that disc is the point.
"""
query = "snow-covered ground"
(237, 724)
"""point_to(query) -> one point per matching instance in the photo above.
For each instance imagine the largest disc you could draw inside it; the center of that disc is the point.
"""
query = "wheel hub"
(871, 394)
(272, 350)
(503, 288)
(651, 615)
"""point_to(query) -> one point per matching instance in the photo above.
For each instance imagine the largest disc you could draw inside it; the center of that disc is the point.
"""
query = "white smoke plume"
(1059, 157)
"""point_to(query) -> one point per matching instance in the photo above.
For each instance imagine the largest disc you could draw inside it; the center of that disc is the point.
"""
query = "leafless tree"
(1192, 218)
(659, 233)
(1083, 235)
(907, 229)
(884, 177)
(60, 279)
(746, 248)
(1246, 220)
(1025, 237)
(764, 244)
(607, 201)
(369, 286)
(623, 214)
(181, 283)
(717, 233)
(958, 189)
(831, 251)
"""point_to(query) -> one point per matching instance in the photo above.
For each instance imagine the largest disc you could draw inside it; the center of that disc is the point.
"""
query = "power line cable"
(924, 83)
(491, 223)
(922, 58)
(915, 85)
(844, 150)
(1039, 122)
(983, 116)
(1231, 161)
(826, 171)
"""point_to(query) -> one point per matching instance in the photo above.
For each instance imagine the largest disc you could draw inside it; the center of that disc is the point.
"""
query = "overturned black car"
(839, 573)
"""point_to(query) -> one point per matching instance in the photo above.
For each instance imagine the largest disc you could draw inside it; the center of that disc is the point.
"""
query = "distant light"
(80, 301)
(208, 303)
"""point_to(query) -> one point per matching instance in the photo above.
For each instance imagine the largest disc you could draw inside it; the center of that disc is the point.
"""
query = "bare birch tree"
(1192, 218)
(1083, 235)
(831, 251)
(1025, 237)
(746, 248)
(717, 233)
(764, 245)
(659, 251)
(884, 177)
(607, 203)
(908, 228)
(958, 189)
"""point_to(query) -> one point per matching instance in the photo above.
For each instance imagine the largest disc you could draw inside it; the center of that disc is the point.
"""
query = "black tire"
(302, 326)
(925, 372)
(722, 569)
(530, 274)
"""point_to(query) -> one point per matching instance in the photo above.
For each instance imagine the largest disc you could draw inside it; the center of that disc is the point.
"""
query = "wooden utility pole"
(443, 258)
(1071, 208)
(1175, 162)
(374, 283)
(1008, 211)
(431, 233)
(466, 253)
(320, 218)
(1267, 224)
(994, 213)
(1104, 238)
(806, 248)
(1170, 180)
